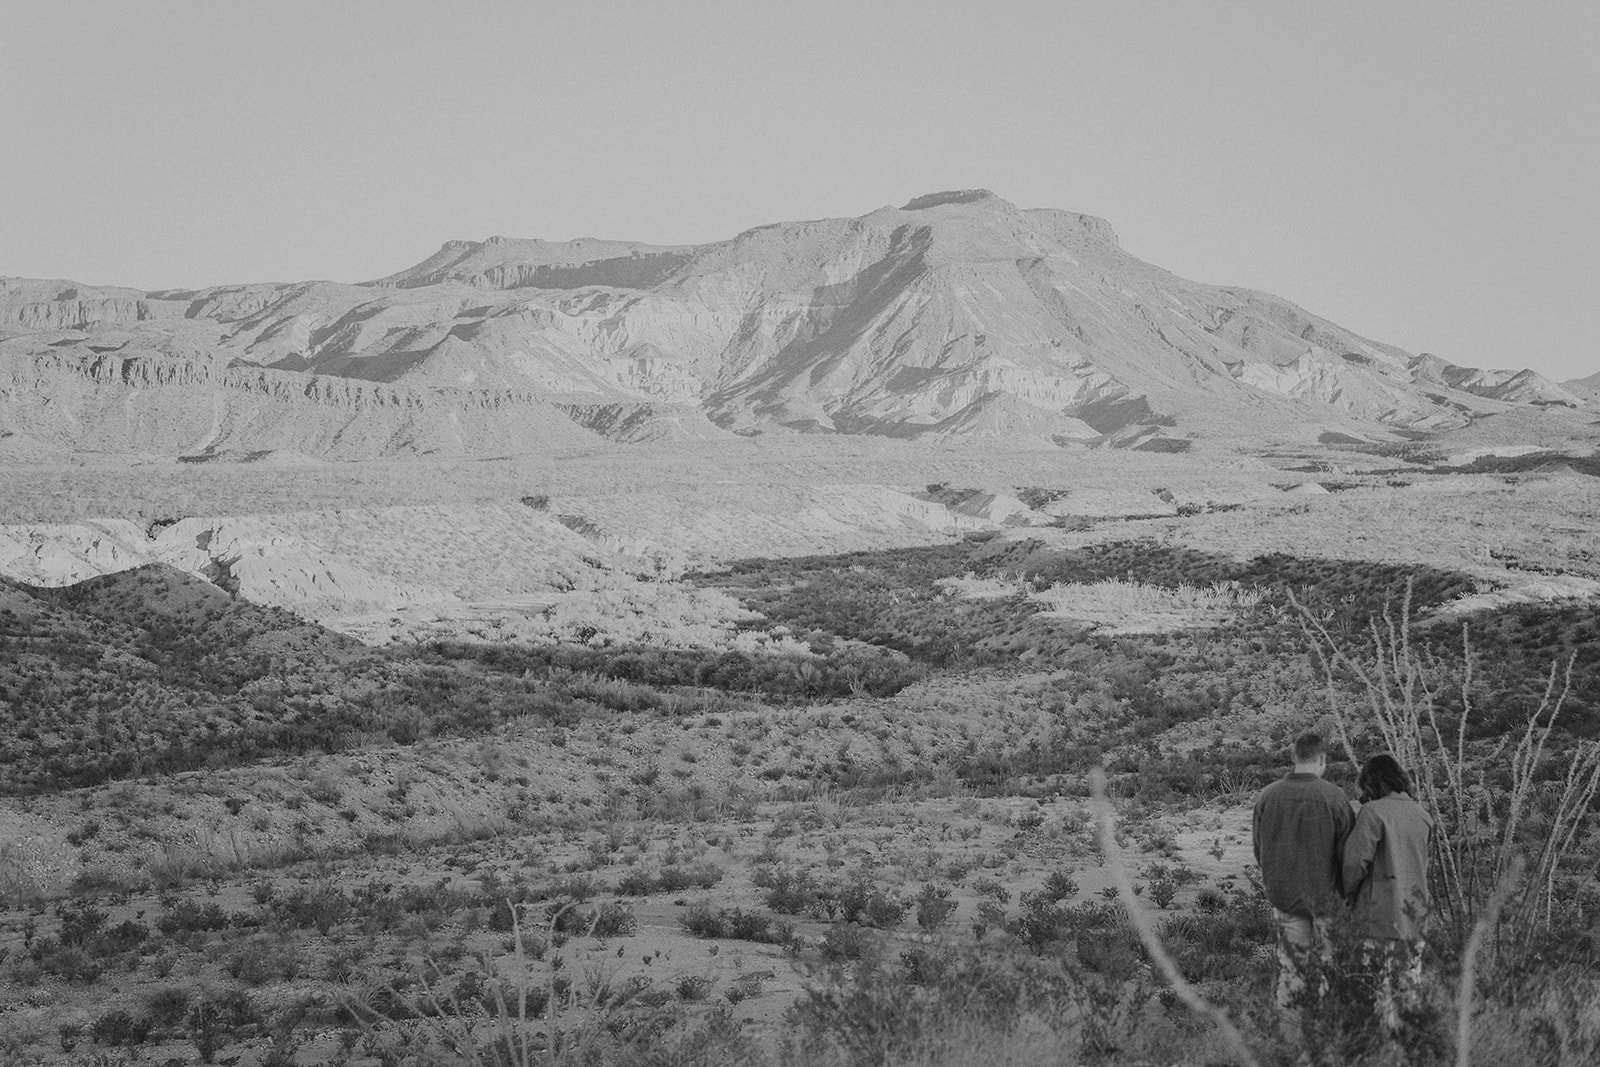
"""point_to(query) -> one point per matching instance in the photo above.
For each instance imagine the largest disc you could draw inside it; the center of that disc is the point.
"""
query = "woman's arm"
(1360, 848)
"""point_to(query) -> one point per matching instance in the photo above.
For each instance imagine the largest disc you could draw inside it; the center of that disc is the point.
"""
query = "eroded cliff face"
(958, 314)
(194, 408)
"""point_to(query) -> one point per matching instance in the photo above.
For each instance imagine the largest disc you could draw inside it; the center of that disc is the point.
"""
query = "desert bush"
(991, 916)
(934, 906)
(693, 987)
(119, 1028)
(702, 920)
(672, 878)
(990, 888)
(595, 920)
(437, 896)
(166, 1007)
(264, 959)
(847, 941)
(790, 891)
(860, 901)
(321, 907)
(745, 986)
(1059, 885)
(183, 916)
(64, 961)
(214, 1018)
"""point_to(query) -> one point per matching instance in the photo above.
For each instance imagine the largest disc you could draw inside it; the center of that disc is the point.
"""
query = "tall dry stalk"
(1469, 961)
(1147, 931)
(1482, 826)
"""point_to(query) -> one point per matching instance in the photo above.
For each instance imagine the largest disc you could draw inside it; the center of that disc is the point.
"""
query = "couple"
(1317, 858)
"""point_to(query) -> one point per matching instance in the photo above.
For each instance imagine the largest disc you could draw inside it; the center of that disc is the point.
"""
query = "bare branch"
(1147, 932)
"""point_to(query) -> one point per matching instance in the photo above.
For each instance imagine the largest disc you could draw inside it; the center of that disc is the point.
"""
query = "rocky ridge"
(957, 316)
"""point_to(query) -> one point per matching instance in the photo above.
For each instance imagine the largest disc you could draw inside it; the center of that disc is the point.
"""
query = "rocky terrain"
(958, 316)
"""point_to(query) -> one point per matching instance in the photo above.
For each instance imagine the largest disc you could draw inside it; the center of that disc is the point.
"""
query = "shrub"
(73, 964)
(990, 915)
(884, 910)
(790, 892)
(322, 907)
(670, 879)
(166, 1007)
(186, 916)
(602, 920)
(1040, 921)
(990, 888)
(934, 906)
(846, 941)
(119, 1028)
(80, 922)
(693, 987)
(214, 1018)
(1059, 885)
(745, 986)
(263, 959)
(702, 920)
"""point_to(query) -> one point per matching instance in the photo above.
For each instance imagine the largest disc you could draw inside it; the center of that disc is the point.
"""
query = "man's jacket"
(1386, 867)
(1297, 828)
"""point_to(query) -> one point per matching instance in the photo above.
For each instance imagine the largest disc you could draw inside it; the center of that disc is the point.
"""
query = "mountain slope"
(1585, 387)
(957, 315)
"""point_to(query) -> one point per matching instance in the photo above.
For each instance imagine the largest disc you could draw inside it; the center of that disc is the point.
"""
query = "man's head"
(1310, 754)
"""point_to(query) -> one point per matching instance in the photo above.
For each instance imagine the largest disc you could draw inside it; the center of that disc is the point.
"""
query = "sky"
(1425, 173)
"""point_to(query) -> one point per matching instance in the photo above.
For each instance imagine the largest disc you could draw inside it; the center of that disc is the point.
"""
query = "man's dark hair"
(1382, 775)
(1308, 747)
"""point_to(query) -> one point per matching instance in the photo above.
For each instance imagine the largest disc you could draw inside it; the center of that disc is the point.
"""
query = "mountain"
(1586, 387)
(957, 316)
(1522, 387)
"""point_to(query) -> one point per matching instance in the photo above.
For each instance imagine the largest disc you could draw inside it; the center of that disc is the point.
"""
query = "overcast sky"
(1424, 173)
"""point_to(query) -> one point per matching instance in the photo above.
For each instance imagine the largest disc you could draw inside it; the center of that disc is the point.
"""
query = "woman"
(1386, 878)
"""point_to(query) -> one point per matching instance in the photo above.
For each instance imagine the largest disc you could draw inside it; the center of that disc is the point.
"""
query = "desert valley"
(600, 652)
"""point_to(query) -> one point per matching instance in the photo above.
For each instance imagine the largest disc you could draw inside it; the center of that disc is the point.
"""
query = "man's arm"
(1255, 829)
(1359, 850)
(1343, 820)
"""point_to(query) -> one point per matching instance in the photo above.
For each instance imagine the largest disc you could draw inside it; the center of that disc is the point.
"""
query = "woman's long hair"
(1382, 775)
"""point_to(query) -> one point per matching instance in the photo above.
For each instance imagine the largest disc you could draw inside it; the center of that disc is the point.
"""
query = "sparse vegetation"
(881, 849)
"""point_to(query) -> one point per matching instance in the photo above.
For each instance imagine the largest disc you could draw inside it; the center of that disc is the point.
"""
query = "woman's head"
(1382, 775)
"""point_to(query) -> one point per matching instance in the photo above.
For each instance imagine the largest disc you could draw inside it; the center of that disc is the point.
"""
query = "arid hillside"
(958, 316)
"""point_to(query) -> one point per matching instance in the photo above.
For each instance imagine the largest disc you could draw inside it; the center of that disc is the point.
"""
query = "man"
(1298, 830)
